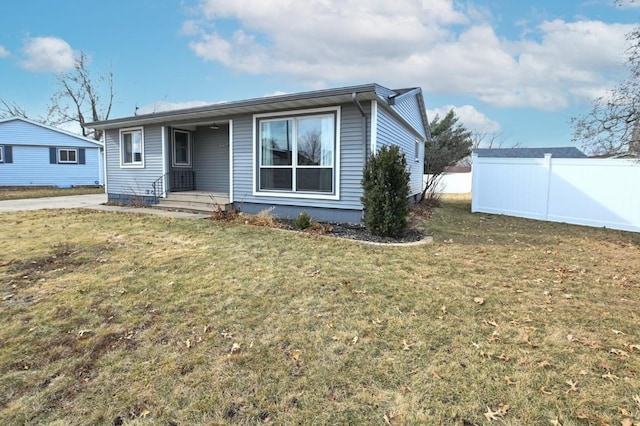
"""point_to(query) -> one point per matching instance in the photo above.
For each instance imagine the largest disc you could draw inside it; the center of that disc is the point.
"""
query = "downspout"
(354, 98)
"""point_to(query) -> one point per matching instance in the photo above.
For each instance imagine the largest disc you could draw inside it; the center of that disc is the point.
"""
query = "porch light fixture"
(214, 126)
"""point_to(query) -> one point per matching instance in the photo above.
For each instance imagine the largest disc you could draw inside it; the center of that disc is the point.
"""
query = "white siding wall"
(591, 192)
(410, 110)
(392, 132)
(134, 181)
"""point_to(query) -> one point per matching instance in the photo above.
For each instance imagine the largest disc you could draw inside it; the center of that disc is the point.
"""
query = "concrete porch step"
(198, 197)
(205, 202)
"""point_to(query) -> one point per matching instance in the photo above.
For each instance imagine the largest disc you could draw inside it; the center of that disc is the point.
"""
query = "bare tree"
(611, 127)
(310, 147)
(79, 97)
(11, 109)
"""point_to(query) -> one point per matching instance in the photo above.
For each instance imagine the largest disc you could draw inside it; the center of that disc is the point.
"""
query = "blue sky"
(513, 68)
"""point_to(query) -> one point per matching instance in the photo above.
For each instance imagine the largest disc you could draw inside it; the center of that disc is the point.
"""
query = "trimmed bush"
(303, 221)
(385, 197)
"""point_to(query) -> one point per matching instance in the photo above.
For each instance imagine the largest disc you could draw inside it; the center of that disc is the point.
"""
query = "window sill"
(297, 195)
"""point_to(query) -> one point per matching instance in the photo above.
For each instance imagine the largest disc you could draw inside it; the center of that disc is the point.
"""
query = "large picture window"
(297, 154)
(132, 147)
(181, 148)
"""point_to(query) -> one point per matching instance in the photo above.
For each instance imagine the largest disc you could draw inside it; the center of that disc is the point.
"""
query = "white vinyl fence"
(453, 183)
(592, 192)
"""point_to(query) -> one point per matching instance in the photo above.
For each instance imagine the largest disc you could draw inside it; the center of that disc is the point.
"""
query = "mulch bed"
(352, 231)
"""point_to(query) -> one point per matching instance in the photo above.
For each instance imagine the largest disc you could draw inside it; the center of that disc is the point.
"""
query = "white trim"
(374, 126)
(1, 153)
(135, 165)
(165, 178)
(189, 163)
(60, 161)
(336, 156)
(230, 161)
(104, 162)
(295, 112)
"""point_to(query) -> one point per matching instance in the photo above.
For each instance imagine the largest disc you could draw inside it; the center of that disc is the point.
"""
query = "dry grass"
(128, 319)
(19, 193)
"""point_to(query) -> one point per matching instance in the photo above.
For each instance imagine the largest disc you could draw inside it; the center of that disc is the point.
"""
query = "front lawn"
(17, 193)
(114, 318)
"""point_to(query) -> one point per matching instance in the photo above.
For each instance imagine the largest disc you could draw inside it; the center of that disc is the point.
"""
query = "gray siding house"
(33, 154)
(290, 153)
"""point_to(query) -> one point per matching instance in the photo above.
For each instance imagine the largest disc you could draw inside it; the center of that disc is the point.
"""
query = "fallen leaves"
(498, 414)
(619, 352)
(573, 386)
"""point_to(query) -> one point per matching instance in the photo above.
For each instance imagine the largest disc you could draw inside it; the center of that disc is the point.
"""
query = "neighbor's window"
(297, 153)
(131, 147)
(181, 148)
(67, 155)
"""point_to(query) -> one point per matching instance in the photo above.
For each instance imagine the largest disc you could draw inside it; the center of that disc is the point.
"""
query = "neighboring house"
(33, 154)
(292, 153)
(558, 152)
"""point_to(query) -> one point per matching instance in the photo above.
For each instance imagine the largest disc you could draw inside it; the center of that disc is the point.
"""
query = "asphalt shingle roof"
(557, 152)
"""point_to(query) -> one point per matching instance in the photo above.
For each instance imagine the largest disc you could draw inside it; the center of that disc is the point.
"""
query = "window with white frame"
(417, 149)
(181, 148)
(297, 154)
(67, 155)
(1, 154)
(132, 147)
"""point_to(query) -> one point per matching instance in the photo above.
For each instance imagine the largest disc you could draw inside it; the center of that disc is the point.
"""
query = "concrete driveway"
(67, 202)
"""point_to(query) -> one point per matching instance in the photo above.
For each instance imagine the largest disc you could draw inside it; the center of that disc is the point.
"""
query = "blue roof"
(558, 152)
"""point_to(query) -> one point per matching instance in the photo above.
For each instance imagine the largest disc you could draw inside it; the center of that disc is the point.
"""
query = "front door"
(182, 176)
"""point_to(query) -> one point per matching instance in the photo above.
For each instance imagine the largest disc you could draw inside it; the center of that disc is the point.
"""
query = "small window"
(181, 148)
(131, 147)
(417, 150)
(67, 155)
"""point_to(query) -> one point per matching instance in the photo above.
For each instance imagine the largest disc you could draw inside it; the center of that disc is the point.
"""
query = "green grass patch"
(19, 193)
(135, 319)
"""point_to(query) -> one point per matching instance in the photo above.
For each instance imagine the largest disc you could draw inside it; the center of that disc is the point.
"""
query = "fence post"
(548, 166)
(474, 179)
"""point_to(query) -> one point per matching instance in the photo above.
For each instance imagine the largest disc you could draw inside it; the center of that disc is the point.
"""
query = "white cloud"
(47, 54)
(3, 52)
(434, 44)
(160, 106)
(470, 118)
(276, 93)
